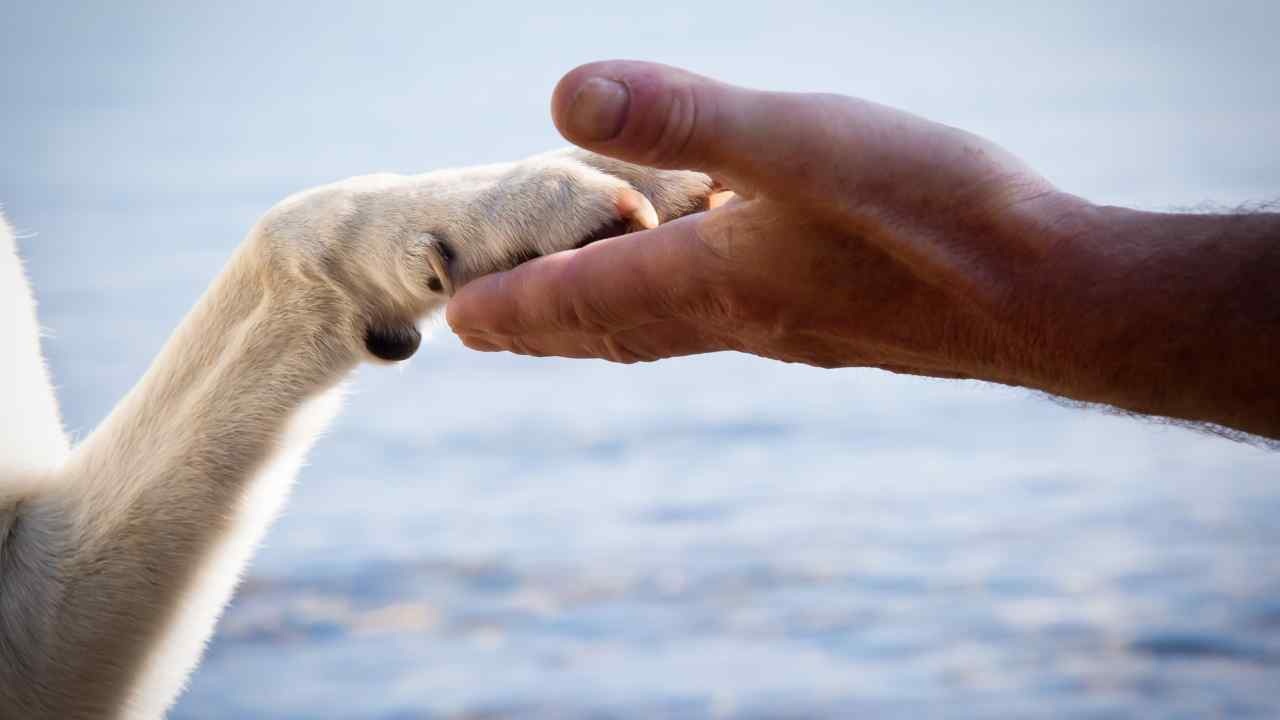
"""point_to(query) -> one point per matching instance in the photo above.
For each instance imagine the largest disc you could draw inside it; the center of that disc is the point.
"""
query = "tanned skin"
(865, 236)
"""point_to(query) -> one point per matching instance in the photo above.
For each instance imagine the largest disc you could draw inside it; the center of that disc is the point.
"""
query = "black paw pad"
(392, 343)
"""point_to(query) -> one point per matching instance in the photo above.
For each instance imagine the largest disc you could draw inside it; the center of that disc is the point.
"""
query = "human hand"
(866, 236)
(861, 235)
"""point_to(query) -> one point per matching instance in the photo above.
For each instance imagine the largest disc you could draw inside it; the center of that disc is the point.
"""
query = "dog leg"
(171, 491)
(114, 574)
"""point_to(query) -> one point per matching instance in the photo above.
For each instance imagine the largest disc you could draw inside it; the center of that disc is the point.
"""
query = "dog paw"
(397, 247)
(558, 201)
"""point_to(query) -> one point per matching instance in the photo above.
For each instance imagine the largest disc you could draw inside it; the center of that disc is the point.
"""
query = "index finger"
(611, 285)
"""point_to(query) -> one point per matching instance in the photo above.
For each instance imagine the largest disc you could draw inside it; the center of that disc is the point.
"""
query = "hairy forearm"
(1171, 315)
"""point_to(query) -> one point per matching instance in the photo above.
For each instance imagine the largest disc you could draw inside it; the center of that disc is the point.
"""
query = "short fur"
(117, 556)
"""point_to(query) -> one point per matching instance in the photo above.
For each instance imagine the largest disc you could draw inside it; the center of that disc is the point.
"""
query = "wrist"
(1166, 314)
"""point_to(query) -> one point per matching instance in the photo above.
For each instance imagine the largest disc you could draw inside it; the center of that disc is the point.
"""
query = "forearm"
(1170, 315)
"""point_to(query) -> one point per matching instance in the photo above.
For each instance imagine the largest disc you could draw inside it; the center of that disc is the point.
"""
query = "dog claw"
(721, 197)
(634, 206)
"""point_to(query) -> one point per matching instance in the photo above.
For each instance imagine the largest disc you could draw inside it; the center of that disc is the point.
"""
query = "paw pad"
(392, 343)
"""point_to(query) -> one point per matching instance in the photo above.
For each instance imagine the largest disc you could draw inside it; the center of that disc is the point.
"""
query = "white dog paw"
(397, 247)
(559, 201)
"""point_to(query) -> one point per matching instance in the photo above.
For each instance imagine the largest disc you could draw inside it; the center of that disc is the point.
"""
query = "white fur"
(117, 557)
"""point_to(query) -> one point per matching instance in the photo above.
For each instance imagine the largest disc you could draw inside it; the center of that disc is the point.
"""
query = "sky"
(141, 140)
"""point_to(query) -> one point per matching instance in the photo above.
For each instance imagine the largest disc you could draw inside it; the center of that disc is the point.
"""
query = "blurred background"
(497, 536)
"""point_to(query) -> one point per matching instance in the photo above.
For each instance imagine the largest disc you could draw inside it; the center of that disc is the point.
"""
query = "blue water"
(727, 537)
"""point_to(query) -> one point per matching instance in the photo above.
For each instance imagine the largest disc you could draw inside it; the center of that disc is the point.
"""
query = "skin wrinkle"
(673, 131)
(689, 126)
(678, 112)
(578, 312)
(594, 345)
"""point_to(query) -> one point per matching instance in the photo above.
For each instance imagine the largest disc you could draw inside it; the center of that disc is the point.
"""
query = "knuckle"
(521, 346)
(576, 310)
(482, 344)
(620, 351)
(722, 296)
(677, 126)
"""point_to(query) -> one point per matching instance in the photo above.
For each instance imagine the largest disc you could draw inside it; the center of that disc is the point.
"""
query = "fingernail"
(598, 110)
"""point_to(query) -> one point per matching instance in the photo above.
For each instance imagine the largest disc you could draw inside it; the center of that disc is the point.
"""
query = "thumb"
(666, 117)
